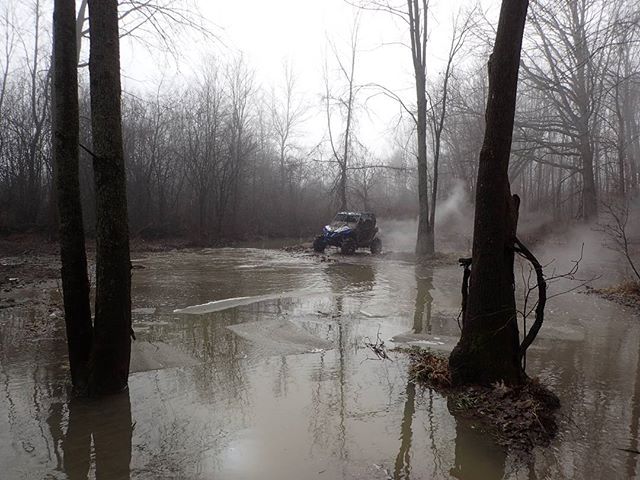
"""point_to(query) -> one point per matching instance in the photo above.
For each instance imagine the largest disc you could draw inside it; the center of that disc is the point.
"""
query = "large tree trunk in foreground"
(65, 128)
(488, 350)
(112, 324)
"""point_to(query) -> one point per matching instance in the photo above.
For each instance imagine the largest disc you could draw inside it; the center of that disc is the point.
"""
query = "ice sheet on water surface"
(147, 356)
(224, 304)
(280, 337)
(436, 342)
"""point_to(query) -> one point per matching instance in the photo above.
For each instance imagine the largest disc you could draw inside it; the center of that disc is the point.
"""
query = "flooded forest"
(343, 239)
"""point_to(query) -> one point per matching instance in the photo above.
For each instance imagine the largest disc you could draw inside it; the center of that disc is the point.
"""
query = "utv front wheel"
(319, 244)
(376, 246)
(348, 246)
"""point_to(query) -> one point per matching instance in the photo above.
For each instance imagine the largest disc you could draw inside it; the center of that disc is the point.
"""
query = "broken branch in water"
(378, 347)
(629, 450)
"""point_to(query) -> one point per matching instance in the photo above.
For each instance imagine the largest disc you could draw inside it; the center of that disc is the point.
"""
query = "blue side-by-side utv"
(350, 231)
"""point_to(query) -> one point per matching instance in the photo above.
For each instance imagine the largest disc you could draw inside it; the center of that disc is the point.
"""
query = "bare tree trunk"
(32, 193)
(112, 327)
(621, 141)
(488, 350)
(344, 159)
(589, 198)
(633, 143)
(342, 188)
(585, 127)
(418, 30)
(346, 152)
(438, 118)
(80, 27)
(66, 133)
(425, 244)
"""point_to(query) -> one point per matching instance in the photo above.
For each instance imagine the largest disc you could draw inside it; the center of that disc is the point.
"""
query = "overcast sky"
(297, 31)
(269, 33)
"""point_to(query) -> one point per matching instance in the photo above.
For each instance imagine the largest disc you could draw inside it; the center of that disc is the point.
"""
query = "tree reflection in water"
(402, 469)
(632, 460)
(477, 457)
(107, 424)
(424, 300)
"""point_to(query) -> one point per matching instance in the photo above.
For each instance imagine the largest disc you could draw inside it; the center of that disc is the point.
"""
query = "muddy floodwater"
(252, 364)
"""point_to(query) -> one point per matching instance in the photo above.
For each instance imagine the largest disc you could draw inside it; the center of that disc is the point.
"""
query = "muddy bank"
(626, 294)
(15, 244)
(30, 289)
(20, 271)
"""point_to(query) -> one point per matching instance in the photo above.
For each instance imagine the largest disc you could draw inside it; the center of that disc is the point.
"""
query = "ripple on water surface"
(279, 385)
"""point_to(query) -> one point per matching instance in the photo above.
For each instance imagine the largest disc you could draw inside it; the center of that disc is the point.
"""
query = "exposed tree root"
(519, 418)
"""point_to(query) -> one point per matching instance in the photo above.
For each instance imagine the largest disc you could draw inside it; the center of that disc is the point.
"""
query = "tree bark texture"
(589, 198)
(488, 350)
(112, 324)
(65, 129)
(425, 243)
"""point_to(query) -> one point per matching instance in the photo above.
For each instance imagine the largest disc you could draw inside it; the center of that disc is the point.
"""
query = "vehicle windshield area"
(346, 218)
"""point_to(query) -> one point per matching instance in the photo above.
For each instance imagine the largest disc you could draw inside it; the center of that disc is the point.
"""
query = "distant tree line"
(210, 161)
(224, 156)
(218, 159)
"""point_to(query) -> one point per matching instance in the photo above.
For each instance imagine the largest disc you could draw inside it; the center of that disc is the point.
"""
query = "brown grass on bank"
(626, 293)
(629, 287)
(519, 418)
(428, 369)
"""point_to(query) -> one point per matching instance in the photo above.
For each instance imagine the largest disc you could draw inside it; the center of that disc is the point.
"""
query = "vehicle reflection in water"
(349, 283)
(231, 406)
(351, 277)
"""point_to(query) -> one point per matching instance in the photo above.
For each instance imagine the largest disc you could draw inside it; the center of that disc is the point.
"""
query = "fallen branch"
(378, 347)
